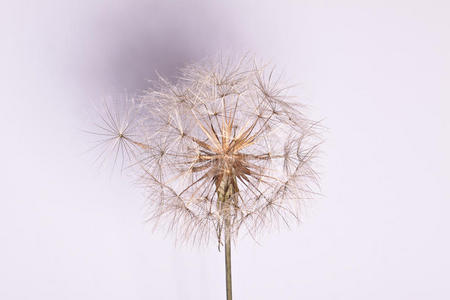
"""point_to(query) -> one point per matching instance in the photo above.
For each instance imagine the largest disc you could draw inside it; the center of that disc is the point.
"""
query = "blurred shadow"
(126, 44)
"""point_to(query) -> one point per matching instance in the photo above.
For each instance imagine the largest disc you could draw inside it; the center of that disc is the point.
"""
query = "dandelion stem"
(228, 257)
(225, 193)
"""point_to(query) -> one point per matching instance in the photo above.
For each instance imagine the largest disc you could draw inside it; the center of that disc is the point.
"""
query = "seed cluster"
(225, 143)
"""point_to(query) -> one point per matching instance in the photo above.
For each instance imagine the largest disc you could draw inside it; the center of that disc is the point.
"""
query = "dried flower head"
(221, 151)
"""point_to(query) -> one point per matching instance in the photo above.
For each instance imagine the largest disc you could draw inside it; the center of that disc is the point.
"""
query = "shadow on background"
(122, 46)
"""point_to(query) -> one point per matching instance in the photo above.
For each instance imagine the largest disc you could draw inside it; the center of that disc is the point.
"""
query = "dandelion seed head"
(225, 128)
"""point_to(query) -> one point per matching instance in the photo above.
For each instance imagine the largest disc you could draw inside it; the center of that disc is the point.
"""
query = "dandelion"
(224, 150)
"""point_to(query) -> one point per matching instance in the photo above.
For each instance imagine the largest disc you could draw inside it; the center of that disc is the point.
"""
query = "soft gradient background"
(378, 72)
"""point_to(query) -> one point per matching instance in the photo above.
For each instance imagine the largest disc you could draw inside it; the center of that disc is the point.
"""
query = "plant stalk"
(225, 193)
(228, 257)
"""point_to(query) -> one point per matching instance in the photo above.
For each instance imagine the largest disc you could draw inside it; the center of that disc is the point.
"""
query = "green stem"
(228, 257)
(225, 192)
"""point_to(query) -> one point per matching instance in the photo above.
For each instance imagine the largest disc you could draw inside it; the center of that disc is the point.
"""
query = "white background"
(377, 72)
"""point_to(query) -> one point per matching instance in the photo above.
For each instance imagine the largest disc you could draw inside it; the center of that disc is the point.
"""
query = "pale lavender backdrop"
(378, 72)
